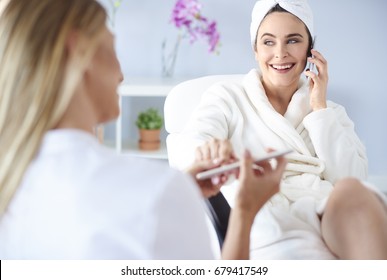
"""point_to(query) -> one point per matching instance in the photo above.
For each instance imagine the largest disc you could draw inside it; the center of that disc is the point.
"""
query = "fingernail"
(257, 167)
(216, 161)
(215, 180)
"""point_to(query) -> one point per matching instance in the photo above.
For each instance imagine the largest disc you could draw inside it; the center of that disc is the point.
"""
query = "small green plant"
(149, 119)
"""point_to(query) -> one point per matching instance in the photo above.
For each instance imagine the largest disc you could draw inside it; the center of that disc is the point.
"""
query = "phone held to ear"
(310, 65)
(235, 165)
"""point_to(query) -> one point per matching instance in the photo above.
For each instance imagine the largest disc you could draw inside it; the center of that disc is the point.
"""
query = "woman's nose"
(281, 51)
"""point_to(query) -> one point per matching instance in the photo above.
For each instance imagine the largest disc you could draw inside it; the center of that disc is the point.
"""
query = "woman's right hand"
(218, 151)
(215, 149)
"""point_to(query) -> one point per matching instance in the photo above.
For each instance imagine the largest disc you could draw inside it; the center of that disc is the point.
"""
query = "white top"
(80, 200)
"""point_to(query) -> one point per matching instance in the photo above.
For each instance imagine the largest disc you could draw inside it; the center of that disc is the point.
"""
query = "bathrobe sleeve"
(214, 118)
(335, 141)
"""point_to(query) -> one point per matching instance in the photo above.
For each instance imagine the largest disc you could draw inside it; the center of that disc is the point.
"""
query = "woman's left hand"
(318, 82)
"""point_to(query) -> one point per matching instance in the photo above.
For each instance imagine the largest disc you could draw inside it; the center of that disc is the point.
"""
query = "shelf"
(131, 148)
(143, 87)
(148, 86)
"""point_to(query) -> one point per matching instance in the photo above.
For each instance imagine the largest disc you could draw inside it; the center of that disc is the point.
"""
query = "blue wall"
(350, 34)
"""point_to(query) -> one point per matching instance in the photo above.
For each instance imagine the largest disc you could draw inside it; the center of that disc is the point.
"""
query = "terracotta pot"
(149, 139)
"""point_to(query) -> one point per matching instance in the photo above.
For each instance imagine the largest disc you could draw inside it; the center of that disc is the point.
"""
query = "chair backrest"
(180, 103)
(182, 100)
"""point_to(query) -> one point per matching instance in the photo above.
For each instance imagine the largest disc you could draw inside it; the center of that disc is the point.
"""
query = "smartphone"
(228, 167)
(310, 65)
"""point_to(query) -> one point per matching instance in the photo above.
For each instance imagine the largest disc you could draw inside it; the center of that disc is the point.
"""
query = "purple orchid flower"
(186, 15)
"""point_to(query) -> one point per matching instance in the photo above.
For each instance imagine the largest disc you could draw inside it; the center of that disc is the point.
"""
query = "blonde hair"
(38, 75)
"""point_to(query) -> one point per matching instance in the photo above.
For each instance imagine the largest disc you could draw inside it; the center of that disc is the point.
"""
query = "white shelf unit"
(142, 87)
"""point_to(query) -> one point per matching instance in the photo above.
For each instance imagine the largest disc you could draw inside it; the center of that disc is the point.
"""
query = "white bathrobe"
(326, 148)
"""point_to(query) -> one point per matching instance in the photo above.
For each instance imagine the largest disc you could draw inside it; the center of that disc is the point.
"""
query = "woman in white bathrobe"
(318, 213)
(63, 195)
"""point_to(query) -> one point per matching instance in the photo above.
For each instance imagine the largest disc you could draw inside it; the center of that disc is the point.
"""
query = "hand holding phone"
(235, 165)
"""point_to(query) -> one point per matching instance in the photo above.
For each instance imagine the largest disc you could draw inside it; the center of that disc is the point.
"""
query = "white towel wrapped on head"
(299, 8)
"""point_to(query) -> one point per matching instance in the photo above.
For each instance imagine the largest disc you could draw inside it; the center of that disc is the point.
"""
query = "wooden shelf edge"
(131, 148)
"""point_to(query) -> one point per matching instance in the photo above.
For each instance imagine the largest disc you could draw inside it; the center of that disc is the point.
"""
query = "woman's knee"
(348, 182)
(349, 194)
(353, 217)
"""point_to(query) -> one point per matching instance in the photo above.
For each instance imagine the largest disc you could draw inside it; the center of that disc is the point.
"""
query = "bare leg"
(354, 224)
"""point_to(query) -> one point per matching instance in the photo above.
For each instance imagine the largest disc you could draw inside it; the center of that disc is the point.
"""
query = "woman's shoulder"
(154, 173)
(226, 86)
(229, 88)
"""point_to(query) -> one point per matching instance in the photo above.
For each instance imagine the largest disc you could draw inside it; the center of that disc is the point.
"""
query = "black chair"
(220, 213)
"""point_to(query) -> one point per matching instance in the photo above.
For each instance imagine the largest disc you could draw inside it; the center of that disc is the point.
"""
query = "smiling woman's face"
(282, 43)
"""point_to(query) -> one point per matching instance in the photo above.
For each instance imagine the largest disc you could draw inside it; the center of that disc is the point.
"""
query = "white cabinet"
(142, 87)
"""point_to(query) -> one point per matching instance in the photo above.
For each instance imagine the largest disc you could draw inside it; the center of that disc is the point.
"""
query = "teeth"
(282, 67)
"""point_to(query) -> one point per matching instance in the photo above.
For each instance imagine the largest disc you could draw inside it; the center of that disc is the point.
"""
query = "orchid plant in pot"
(187, 18)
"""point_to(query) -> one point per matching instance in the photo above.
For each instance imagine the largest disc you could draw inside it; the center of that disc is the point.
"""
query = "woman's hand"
(208, 187)
(257, 186)
(210, 155)
(318, 82)
(220, 152)
(216, 149)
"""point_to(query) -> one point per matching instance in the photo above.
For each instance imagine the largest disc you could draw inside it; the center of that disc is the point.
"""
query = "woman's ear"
(75, 44)
(72, 41)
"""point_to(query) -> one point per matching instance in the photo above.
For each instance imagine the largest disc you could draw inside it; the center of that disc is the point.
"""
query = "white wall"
(350, 34)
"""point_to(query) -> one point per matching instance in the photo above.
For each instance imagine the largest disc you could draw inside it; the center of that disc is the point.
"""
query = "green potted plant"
(149, 123)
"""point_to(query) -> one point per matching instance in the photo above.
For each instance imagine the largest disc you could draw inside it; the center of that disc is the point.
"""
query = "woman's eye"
(292, 41)
(269, 43)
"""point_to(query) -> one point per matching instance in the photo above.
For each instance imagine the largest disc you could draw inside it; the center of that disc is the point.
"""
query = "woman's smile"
(282, 68)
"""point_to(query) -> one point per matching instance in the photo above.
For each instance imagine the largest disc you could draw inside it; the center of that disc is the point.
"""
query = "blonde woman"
(62, 194)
